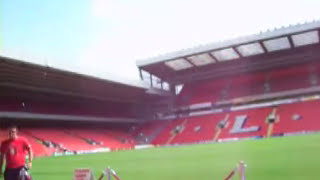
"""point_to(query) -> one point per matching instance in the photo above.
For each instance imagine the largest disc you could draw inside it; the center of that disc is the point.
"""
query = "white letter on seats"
(239, 123)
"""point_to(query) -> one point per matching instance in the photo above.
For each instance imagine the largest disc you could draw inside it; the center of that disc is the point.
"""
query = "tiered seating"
(205, 133)
(37, 147)
(296, 117)
(289, 79)
(164, 136)
(255, 117)
(200, 92)
(74, 139)
(249, 84)
(60, 137)
(208, 124)
(126, 139)
(309, 117)
(98, 110)
(77, 109)
(147, 128)
(101, 136)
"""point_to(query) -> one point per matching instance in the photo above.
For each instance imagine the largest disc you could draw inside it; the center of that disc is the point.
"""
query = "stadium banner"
(299, 133)
(310, 98)
(200, 105)
(144, 146)
(248, 106)
(205, 112)
(68, 153)
(93, 151)
(168, 117)
(228, 140)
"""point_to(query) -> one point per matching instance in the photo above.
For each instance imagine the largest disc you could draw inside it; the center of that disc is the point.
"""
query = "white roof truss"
(178, 64)
(307, 38)
(225, 54)
(201, 59)
(277, 44)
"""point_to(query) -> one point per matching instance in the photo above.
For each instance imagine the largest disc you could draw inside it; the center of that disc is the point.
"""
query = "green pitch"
(285, 158)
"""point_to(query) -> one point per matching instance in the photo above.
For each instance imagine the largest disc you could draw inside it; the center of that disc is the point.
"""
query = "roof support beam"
(189, 61)
(140, 72)
(318, 33)
(236, 50)
(263, 47)
(151, 83)
(215, 60)
(291, 41)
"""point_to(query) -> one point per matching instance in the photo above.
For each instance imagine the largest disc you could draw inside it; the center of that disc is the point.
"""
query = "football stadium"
(245, 108)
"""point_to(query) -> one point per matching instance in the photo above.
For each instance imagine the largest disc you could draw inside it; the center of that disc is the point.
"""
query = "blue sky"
(104, 38)
(57, 29)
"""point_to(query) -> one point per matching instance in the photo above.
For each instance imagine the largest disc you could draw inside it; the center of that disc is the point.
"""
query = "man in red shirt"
(13, 152)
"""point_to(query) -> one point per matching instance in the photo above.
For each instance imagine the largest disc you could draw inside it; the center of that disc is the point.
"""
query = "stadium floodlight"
(178, 64)
(277, 44)
(225, 54)
(201, 59)
(306, 38)
(250, 49)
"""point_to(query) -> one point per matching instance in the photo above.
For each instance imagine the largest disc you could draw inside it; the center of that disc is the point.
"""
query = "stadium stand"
(247, 85)
(102, 138)
(296, 117)
(289, 78)
(204, 91)
(208, 125)
(59, 137)
(166, 133)
(250, 84)
(248, 71)
(64, 108)
(37, 146)
(197, 130)
(147, 129)
(145, 133)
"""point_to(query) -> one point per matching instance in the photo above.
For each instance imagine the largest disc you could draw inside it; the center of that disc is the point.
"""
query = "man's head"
(13, 132)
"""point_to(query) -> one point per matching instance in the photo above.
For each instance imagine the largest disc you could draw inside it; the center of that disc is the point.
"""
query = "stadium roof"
(265, 50)
(17, 77)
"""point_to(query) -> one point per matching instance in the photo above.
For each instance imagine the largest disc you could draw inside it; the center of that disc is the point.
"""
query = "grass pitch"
(285, 158)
